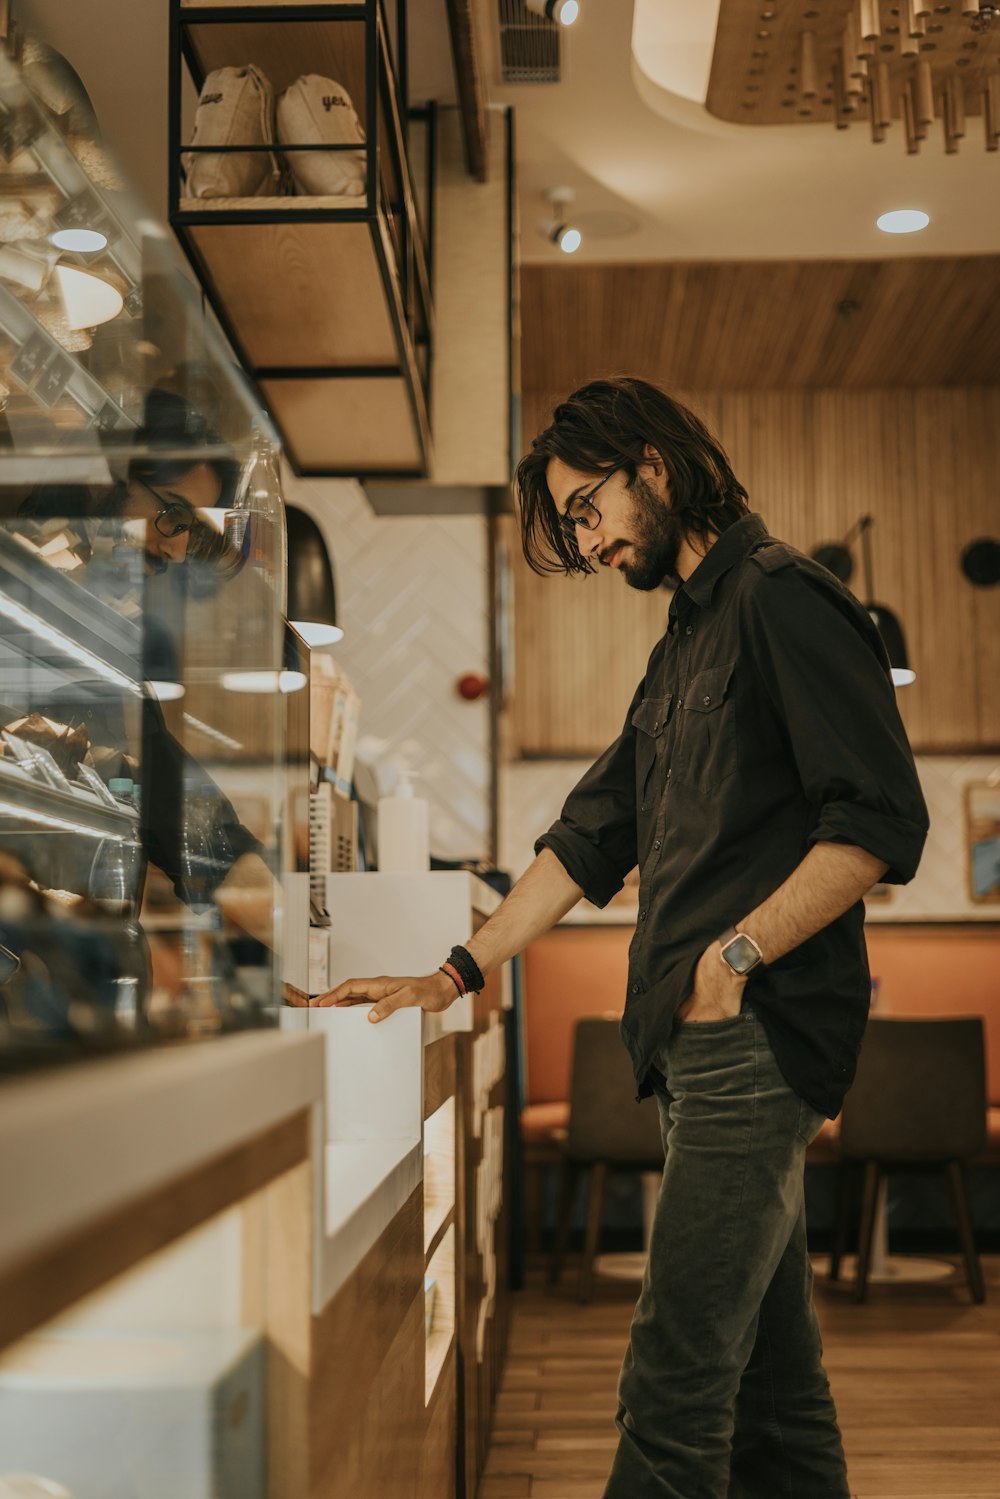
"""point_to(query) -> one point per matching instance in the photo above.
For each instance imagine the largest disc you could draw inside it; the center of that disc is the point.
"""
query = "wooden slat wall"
(923, 461)
(777, 325)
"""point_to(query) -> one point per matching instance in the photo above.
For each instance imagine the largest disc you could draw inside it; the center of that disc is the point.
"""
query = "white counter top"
(78, 1143)
(380, 924)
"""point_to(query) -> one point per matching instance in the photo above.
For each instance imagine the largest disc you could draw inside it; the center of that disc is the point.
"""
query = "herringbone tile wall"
(412, 600)
(531, 794)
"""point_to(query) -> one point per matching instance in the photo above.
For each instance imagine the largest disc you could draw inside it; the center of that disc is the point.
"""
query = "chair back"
(605, 1122)
(919, 1094)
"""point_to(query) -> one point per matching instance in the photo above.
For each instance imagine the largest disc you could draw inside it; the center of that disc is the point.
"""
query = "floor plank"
(915, 1373)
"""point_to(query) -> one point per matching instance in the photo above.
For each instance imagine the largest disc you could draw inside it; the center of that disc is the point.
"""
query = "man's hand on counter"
(434, 992)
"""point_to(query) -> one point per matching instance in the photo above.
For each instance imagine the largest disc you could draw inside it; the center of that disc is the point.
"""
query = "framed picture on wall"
(982, 838)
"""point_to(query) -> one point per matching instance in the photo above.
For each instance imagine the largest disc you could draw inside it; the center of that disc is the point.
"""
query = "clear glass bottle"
(255, 525)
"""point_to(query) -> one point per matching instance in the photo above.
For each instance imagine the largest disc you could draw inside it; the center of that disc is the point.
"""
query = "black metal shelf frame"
(398, 245)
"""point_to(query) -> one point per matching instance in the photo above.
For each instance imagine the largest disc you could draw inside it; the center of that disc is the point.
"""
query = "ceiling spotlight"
(83, 241)
(557, 228)
(903, 221)
(564, 12)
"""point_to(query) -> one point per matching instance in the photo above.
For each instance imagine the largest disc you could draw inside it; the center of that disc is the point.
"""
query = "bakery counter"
(409, 1230)
(105, 1163)
(375, 1075)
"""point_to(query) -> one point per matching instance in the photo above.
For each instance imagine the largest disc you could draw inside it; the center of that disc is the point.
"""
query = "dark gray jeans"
(722, 1392)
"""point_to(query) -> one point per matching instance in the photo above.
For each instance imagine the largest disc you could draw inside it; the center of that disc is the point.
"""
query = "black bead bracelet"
(467, 969)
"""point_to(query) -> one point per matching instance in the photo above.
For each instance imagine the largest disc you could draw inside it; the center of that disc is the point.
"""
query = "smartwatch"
(739, 952)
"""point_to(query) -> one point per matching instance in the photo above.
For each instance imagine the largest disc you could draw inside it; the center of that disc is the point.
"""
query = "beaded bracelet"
(467, 969)
(453, 975)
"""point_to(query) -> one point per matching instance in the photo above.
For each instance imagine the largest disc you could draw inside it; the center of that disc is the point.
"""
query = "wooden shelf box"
(326, 299)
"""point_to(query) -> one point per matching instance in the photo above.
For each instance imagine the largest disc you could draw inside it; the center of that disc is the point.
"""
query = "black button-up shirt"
(766, 722)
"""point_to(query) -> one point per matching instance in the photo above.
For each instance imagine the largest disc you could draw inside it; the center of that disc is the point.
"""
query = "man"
(763, 783)
(179, 468)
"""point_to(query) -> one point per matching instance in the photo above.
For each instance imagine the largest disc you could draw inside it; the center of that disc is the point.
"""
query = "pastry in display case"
(143, 680)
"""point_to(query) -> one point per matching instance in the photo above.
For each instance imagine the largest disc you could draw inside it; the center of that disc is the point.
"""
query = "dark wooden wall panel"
(924, 462)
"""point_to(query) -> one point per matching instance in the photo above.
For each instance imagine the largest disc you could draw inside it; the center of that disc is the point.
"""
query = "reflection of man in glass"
(188, 827)
(167, 492)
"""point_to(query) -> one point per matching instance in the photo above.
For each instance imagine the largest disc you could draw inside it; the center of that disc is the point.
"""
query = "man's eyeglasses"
(581, 511)
(171, 519)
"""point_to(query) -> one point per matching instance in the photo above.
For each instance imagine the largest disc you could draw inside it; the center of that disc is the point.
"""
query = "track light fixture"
(557, 227)
(564, 12)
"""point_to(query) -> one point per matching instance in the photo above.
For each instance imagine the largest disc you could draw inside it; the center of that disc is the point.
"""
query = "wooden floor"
(915, 1373)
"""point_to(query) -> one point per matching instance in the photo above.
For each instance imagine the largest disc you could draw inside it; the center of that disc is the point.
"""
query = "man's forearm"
(541, 897)
(830, 879)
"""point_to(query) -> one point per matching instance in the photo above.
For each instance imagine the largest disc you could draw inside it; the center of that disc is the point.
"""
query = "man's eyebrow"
(581, 489)
(180, 499)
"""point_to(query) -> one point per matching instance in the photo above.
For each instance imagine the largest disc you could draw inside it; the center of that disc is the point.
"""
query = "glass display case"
(143, 672)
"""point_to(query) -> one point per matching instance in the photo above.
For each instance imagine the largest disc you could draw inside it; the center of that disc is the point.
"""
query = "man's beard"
(658, 540)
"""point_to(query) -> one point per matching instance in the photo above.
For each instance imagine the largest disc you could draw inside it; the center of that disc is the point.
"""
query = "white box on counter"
(119, 1415)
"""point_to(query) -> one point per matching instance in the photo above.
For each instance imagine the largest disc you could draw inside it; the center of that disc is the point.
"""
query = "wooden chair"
(918, 1103)
(606, 1131)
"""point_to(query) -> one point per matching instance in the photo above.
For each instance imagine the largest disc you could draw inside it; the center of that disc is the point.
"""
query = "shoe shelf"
(326, 300)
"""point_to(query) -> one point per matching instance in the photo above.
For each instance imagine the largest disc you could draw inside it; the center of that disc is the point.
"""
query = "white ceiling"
(626, 129)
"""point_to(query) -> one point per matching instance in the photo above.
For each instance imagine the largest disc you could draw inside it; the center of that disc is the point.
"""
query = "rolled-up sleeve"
(825, 671)
(595, 837)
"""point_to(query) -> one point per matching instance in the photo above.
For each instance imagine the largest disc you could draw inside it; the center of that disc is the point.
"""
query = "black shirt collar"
(732, 546)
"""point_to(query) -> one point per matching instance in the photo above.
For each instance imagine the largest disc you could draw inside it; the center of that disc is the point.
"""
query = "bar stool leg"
(866, 1233)
(959, 1188)
(845, 1197)
(568, 1173)
(595, 1212)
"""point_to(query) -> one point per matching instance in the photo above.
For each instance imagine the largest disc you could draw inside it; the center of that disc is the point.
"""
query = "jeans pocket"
(810, 1122)
(713, 1026)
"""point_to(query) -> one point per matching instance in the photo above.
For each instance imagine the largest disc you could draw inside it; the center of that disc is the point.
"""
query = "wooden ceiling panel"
(765, 73)
(765, 325)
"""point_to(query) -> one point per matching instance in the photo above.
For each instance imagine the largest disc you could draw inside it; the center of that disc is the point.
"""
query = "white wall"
(412, 600)
(532, 792)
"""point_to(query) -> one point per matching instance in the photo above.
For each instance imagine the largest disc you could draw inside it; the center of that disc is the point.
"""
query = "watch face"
(740, 954)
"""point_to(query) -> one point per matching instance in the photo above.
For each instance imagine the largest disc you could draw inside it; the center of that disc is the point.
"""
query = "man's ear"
(652, 460)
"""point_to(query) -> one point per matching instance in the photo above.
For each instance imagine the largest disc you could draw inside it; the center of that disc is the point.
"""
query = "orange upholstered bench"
(570, 973)
(573, 971)
(934, 971)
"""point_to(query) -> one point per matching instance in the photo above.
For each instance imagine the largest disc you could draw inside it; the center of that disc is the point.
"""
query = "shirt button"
(635, 988)
(689, 630)
(643, 807)
(656, 726)
(658, 843)
(680, 702)
(642, 915)
(706, 701)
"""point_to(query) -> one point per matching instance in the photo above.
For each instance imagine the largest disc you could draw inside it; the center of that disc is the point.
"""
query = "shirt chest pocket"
(650, 721)
(706, 749)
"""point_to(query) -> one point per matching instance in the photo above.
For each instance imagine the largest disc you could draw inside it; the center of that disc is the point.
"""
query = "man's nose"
(588, 542)
(175, 547)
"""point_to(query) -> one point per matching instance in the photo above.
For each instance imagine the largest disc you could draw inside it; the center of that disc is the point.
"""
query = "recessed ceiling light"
(82, 240)
(903, 221)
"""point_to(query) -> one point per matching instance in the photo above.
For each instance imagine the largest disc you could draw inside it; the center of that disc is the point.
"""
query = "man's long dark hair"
(605, 426)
